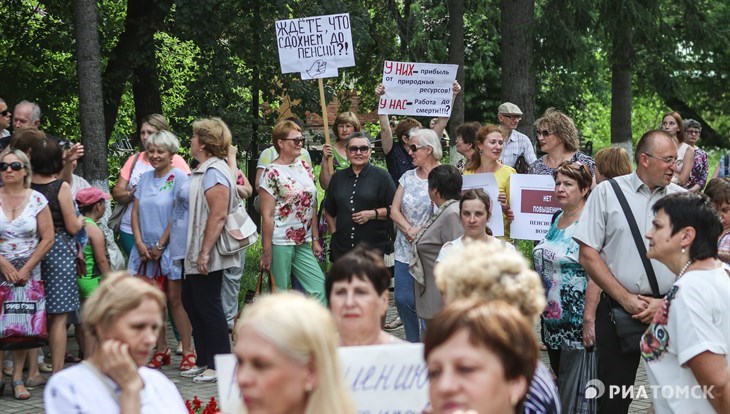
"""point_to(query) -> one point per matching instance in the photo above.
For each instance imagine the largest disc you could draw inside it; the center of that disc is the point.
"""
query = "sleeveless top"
(91, 269)
(50, 191)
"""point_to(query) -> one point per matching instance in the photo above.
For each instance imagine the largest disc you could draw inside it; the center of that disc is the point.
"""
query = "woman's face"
(474, 218)
(345, 130)
(662, 244)
(568, 192)
(670, 125)
(271, 382)
(492, 146)
(548, 140)
(196, 150)
(358, 152)
(419, 152)
(137, 328)
(145, 131)
(691, 135)
(357, 307)
(462, 147)
(9, 174)
(464, 376)
(291, 146)
(724, 210)
(159, 158)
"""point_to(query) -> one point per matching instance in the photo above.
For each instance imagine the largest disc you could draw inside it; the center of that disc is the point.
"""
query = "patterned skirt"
(59, 275)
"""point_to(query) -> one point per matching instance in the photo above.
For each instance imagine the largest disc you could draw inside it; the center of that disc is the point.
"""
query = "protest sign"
(315, 46)
(421, 89)
(533, 204)
(229, 395)
(386, 378)
(488, 183)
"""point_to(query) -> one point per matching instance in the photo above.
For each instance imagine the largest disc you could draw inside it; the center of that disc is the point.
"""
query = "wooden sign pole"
(326, 123)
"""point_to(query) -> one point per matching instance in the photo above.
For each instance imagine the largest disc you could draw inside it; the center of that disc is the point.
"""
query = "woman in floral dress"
(290, 235)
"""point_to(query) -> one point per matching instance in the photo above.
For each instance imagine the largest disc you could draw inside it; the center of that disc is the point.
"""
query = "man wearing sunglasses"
(516, 144)
(4, 124)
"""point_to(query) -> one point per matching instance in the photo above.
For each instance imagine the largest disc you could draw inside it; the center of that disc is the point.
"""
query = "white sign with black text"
(420, 89)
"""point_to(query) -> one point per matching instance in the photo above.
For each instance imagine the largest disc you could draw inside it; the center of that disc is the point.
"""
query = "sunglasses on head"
(15, 166)
(362, 148)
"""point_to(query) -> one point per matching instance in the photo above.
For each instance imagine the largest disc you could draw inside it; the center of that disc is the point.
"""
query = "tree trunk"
(518, 75)
(621, 72)
(456, 57)
(91, 101)
(146, 85)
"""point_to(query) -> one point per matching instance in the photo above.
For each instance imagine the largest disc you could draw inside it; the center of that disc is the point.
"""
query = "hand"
(652, 306)
(75, 152)
(412, 233)
(380, 89)
(9, 271)
(589, 333)
(457, 88)
(144, 252)
(202, 263)
(327, 151)
(117, 364)
(265, 261)
(316, 248)
(632, 304)
(510, 215)
(155, 253)
(23, 276)
(362, 217)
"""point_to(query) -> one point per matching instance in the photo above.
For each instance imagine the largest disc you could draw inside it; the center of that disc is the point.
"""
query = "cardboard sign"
(532, 199)
(421, 89)
(229, 395)
(488, 183)
(315, 46)
(386, 378)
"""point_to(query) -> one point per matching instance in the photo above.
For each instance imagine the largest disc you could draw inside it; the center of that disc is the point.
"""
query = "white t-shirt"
(79, 390)
(458, 244)
(694, 318)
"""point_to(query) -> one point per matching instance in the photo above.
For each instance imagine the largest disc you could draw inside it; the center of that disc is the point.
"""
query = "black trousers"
(614, 367)
(201, 298)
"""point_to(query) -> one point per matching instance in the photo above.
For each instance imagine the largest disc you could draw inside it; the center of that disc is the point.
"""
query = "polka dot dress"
(59, 276)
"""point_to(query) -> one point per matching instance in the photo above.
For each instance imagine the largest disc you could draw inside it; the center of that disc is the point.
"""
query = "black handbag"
(628, 329)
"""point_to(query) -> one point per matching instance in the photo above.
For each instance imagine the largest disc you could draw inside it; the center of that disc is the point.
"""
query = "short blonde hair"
(214, 134)
(23, 157)
(613, 162)
(304, 330)
(281, 131)
(156, 121)
(165, 140)
(562, 126)
(493, 272)
(116, 295)
(346, 118)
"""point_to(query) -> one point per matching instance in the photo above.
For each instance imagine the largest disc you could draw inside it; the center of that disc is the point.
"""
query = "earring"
(308, 387)
(684, 250)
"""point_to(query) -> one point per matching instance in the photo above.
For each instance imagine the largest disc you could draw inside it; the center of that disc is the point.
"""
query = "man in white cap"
(516, 143)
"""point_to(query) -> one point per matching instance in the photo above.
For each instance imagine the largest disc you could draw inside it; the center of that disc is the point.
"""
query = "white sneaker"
(193, 372)
(208, 375)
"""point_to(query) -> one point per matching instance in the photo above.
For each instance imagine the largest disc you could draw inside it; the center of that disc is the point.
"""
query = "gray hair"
(427, 137)
(691, 123)
(165, 140)
(35, 112)
(358, 135)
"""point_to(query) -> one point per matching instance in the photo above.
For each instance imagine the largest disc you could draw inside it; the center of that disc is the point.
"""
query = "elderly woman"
(357, 291)
(290, 234)
(133, 168)
(357, 207)
(345, 125)
(673, 125)
(558, 138)
(26, 235)
(700, 165)
(411, 209)
(611, 162)
(570, 312)
(480, 356)
(288, 361)
(466, 135)
(444, 188)
(687, 345)
(124, 315)
(211, 188)
(151, 221)
(497, 273)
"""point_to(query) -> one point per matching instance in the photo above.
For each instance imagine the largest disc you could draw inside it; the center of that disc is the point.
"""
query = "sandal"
(159, 359)
(71, 358)
(35, 382)
(188, 362)
(393, 325)
(20, 395)
(45, 368)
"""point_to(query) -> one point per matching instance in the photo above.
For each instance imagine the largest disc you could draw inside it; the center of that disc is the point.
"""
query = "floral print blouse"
(700, 168)
(19, 237)
(295, 192)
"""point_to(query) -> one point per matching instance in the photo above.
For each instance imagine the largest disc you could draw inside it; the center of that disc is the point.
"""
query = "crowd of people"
(634, 264)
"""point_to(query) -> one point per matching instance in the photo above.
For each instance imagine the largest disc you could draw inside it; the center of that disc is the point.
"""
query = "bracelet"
(376, 213)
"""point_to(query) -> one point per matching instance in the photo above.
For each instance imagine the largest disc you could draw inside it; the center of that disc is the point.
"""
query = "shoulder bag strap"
(637, 237)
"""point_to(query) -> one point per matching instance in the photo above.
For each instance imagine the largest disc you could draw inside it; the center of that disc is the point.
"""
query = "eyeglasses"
(543, 132)
(667, 160)
(693, 131)
(15, 166)
(5, 113)
(362, 148)
(415, 148)
(296, 141)
(512, 117)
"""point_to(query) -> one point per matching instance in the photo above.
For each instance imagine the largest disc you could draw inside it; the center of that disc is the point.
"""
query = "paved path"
(188, 389)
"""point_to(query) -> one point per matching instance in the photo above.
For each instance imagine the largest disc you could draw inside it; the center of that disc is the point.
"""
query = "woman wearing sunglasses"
(357, 207)
(558, 138)
(290, 233)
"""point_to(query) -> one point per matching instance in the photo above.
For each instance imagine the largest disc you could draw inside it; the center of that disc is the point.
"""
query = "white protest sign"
(229, 395)
(315, 46)
(386, 378)
(532, 200)
(421, 89)
(488, 183)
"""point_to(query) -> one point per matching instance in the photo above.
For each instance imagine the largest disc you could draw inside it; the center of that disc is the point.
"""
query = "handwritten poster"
(533, 204)
(229, 395)
(421, 89)
(387, 378)
(488, 183)
(315, 46)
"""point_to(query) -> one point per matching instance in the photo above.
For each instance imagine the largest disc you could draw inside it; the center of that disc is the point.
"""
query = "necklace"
(684, 269)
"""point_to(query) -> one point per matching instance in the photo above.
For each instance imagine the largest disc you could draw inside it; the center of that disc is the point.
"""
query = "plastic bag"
(577, 367)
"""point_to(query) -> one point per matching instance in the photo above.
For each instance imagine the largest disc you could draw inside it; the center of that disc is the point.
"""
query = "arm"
(399, 219)
(120, 192)
(330, 221)
(44, 224)
(144, 252)
(325, 175)
(246, 190)
(444, 120)
(156, 253)
(386, 134)
(257, 180)
(593, 295)
(712, 370)
(268, 204)
(217, 198)
(71, 221)
(316, 245)
(683, 176)
(98, 246)
(73, 154)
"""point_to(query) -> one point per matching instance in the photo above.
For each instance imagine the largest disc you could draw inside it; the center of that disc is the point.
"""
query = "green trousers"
(299, 261)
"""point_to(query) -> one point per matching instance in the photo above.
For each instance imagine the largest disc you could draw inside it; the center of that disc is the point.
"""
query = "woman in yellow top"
(486, 159)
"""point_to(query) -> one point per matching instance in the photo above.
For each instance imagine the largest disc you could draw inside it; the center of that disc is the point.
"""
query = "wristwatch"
(159, 246)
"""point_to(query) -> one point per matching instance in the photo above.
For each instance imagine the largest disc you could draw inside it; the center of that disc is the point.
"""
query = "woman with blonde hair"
(558, 138)
(612, 162)
(496, 273)
(287, 358)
